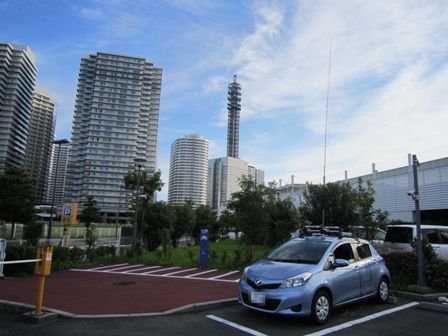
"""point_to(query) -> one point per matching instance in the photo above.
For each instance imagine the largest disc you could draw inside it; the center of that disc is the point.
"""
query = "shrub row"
(63, 258)
(404, 270)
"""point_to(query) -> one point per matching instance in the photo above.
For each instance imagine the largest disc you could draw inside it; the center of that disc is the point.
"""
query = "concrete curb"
(437, 307)
(418, 297)
(18, 307)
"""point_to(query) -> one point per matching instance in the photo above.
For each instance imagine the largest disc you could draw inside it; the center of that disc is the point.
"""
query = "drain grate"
(124, 283)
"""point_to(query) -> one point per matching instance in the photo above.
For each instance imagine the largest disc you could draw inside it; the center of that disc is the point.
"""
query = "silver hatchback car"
(310, 276)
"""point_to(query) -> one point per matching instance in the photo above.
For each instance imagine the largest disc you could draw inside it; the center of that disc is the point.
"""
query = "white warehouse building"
(392, 188)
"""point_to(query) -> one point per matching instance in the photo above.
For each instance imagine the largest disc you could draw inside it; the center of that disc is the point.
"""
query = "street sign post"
(203, 248)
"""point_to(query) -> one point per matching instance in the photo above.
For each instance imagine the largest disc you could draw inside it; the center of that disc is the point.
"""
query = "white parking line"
(102, 267)
(237, 326)
(160, 270)
(224, 275)
(200, 273)
(361, 320)
(182, 271)
(121, 268)
(141, 269)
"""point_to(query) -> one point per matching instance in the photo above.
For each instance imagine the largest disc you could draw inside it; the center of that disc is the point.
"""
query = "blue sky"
(388, 83)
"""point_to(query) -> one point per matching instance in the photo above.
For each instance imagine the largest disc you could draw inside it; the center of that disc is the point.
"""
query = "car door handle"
(356, 268)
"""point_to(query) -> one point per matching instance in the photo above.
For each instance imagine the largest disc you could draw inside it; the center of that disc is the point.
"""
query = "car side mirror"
(340, 263)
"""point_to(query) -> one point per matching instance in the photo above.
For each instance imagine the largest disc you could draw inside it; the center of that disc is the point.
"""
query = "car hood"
(274, 270)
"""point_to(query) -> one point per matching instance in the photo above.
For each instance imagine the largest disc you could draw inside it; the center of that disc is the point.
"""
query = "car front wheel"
(382, 294)
(321, 308)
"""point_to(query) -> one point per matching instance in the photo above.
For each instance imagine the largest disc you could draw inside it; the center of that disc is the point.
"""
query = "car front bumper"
(285, 301)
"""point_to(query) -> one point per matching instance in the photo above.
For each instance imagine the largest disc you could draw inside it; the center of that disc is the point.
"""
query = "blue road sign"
(203, 248)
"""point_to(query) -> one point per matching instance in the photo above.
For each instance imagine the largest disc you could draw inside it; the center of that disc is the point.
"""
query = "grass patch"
(227, 254)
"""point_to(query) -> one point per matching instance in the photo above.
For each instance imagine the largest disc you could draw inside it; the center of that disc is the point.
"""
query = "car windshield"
(305, 251)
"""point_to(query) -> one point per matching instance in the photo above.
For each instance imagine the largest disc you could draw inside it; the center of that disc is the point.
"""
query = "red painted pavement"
(92, 293)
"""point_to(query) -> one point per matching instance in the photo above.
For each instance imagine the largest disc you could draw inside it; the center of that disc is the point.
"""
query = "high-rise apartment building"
(40, 135)
(115, 123)
(188, 170)
(57, 175)
(233, 127)
(17, 80)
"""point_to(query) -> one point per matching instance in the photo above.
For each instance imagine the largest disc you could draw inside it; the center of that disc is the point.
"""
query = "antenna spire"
(326, 109)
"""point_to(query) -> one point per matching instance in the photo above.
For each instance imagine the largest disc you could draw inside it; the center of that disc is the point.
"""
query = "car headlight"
(244, 277)
(296, 281)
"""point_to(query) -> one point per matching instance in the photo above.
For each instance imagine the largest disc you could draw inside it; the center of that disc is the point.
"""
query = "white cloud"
(387, 84)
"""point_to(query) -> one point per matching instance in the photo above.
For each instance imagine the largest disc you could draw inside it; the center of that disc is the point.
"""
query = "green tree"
(16, 197)
(334, 202)
(148, 185)
(205, 218)
(183, 221)
(90, 215)
(342, 206)
(158, 219)
(283, 220)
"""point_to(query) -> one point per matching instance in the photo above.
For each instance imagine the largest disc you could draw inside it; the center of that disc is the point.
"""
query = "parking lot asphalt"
(408, 321)
(124, 290)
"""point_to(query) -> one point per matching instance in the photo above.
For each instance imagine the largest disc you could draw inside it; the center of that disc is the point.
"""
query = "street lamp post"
(117, 224)
(416, 196)
(139, 163)
(50, 225)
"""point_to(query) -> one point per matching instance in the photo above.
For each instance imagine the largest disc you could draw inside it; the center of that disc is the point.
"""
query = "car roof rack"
(318, 230)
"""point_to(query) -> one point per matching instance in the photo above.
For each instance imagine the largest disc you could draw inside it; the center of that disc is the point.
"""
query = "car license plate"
(257, 297)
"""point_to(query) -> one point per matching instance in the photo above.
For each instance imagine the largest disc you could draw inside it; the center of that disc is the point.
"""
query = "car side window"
(364, 251)
(345, 252)
(431, 235)
(444, 236)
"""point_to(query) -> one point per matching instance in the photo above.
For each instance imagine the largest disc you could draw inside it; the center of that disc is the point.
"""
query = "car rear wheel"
(321, 308)
(382, 294)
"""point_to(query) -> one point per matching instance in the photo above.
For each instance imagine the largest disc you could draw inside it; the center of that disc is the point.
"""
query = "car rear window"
(364, 251)
(398, 235)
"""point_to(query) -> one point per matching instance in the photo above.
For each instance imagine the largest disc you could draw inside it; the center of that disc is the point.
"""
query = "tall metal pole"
(415, 196)
(50, 225)
(134, 231)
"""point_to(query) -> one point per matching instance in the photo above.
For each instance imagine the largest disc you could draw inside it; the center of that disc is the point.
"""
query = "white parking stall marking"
(121, 268)
(160, 270)
(103, 267)
(200, 273)
(141, 269)
(361, 320)
(224, 275)
(181, 271)
(235, 325)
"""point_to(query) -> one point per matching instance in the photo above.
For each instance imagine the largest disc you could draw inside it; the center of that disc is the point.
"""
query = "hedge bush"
(403, 267)
(63, 258)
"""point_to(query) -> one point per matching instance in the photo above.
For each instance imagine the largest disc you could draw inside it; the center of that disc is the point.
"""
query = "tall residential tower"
(115, 123)
(233, 127)
(188, 170)
(17, 80)
(38, 148)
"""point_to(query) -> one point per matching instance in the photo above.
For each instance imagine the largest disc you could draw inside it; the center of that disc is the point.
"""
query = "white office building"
(17, 80)
(224, 175)
(115, 123)
(188, 170)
